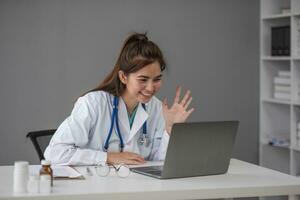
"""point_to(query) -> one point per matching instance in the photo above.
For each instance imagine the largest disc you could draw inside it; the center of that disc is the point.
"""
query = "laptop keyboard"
(157, 173)
(158, 167)
(155, 170)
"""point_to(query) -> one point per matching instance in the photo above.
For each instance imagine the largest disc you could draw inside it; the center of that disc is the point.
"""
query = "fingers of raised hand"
(190, 111)
(177, 95)
(165, 103)
(186, 98)
(188, 103)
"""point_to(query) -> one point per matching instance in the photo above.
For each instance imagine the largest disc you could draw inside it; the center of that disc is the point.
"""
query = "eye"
(142, 80)
(157, 80)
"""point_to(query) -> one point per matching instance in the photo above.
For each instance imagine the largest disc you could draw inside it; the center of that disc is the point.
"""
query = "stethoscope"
(143, 140)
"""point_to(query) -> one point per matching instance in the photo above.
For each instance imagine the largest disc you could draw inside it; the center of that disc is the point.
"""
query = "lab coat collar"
(140, 117)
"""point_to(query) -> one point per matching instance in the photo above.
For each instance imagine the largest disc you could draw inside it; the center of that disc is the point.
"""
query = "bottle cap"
(21, 167)
(21, 164)
(45, 162)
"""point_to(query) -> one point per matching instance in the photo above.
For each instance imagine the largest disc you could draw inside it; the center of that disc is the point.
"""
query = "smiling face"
(141, 85)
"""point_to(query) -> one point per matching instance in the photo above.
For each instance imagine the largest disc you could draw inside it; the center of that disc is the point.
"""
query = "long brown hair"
(137, 52)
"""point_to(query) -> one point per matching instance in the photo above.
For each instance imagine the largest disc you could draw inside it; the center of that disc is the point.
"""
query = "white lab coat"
(80, 139)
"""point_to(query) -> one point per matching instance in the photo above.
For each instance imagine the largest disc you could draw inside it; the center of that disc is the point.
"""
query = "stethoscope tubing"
(115, 119)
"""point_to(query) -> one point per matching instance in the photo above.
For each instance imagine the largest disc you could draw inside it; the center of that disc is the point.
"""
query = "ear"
(122, 77)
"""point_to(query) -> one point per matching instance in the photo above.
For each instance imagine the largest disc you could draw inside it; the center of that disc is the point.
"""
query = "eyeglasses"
(122, 170)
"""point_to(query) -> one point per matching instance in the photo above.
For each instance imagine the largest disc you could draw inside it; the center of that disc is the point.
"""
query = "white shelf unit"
(278, 117)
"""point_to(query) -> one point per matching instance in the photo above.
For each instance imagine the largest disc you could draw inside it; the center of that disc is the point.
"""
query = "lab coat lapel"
(123, 117)
(139, 119)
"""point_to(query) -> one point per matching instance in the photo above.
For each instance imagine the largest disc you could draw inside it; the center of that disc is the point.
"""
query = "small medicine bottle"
(46, 169)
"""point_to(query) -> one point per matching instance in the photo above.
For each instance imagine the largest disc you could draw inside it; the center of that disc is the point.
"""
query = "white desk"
(242, 180)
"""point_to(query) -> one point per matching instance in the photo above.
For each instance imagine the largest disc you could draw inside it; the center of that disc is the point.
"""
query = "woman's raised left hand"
(179, 111)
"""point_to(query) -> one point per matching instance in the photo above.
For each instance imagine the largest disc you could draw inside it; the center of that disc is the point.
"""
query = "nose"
(150, 87)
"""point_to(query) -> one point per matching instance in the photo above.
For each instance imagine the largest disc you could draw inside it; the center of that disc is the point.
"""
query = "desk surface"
(242, 180)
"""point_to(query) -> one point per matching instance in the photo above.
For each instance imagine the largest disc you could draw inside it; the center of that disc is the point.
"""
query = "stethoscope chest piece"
(144, 140)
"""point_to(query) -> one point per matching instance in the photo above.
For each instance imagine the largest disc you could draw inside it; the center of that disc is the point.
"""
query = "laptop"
(196, 149)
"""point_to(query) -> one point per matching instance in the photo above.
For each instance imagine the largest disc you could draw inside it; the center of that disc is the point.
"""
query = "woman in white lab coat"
(96, 133)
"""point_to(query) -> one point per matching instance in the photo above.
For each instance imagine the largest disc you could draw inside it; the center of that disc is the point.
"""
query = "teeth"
(147, 95)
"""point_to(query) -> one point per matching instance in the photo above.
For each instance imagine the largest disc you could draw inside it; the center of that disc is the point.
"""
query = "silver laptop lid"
(199, 148)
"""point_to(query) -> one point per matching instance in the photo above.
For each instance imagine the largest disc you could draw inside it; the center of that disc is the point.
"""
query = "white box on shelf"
(282, 73)
(283, 81)
(282, 88)
(281, 95)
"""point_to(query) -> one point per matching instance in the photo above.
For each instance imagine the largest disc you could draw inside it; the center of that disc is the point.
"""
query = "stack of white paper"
(65, 172)
(282, 85)
(59, 171)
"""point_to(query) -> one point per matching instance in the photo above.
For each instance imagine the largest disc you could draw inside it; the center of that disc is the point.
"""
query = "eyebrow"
(142, 76)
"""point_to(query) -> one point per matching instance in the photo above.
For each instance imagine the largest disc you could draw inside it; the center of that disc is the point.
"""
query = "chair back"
(40, 140)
